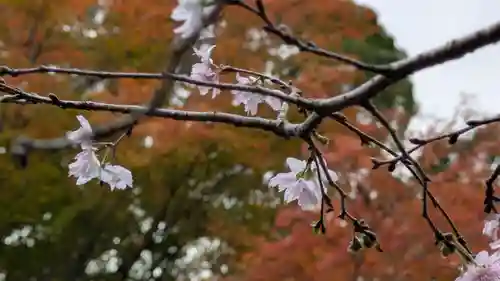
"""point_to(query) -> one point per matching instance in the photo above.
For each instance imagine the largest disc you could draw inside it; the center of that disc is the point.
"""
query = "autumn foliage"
(390, 203)
(201, 179)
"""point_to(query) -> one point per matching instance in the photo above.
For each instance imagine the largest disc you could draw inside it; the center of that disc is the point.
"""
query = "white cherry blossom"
(82, 135)
(300, 183)
(250, 100)
(191, 13)
(485, 268)
(204, 53)
(85, 167)
(491, 225)
(116, 176)
(203, 71)
(491, 228)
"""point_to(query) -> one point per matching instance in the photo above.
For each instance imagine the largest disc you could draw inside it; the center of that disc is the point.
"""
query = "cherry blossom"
(484, 268)
(191, 13)
(205, 53)
(87, 165)
(203, 71)
(250, 100)
(491, 227)
(300, 184)
(82, 135)
(116, 176)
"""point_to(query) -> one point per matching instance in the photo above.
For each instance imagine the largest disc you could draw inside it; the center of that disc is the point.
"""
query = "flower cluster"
(191, 12)
(207, 71)
(251, 101)
(302, 183)
(486, 266)
(203, 71)
(87, 165)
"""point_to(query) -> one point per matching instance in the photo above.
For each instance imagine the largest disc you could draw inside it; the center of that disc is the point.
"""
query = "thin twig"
(419, 173)
(157, 76)
(285, 35)
(451, 136)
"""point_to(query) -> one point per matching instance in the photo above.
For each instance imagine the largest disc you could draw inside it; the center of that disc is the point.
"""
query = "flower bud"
(355, 245)
(446, 248)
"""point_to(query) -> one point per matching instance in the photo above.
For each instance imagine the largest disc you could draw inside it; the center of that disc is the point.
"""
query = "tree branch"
(302, 102)
(451, 50)
(278, 127)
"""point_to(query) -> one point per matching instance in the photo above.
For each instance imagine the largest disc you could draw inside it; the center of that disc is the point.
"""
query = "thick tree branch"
(278, 127)
(451, 50)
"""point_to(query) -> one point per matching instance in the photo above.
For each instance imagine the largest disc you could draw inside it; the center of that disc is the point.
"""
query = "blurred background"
(200, 208)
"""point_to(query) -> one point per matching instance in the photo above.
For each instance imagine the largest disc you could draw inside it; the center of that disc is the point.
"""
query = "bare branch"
(302, 102)
(451, 136)
(489, 192)
(419, 173)
(277, 127)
